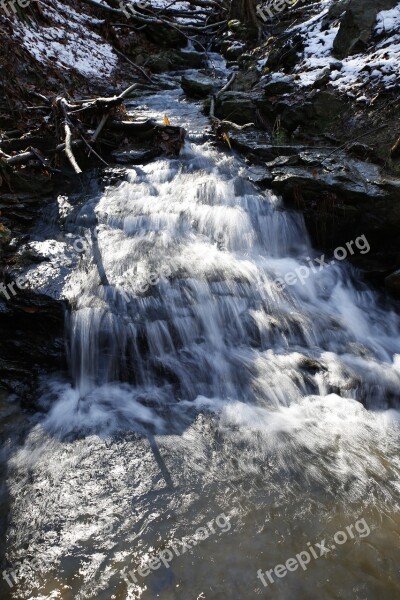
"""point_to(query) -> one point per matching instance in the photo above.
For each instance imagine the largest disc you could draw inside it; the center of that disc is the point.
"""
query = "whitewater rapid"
(198, 385)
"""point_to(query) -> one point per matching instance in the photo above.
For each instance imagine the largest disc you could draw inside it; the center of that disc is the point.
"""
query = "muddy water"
(204, 396)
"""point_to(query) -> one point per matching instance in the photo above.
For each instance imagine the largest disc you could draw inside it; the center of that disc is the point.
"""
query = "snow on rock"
(69, 43)
(388, 20)
(379, 65)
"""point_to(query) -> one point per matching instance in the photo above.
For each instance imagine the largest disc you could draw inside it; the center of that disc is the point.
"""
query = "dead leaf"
(225, 137)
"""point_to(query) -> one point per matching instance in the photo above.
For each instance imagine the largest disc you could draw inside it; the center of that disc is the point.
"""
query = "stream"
(201, 392)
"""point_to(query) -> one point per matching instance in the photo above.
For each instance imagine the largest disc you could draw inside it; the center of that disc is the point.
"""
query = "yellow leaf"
(226, 138)
(166, 120)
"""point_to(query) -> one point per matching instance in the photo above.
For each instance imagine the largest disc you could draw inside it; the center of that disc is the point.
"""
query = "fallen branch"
(104, 119)
(68, 138)
(226, 86)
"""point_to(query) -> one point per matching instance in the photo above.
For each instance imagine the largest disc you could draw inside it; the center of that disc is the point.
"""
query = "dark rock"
(191, 59)
(32, 341)
(392, 282)
(357, 24)
(336, 65)
(233, 51)
(166, 36)
(176, 60)
(245, 81)
(327, 106)
(237, 107)
(323, 78)
(285, 57)
(197, 86)
(279, 84)
(350, 180)
(259, 174)
(361, 151)
(245, 59)
(291, 112)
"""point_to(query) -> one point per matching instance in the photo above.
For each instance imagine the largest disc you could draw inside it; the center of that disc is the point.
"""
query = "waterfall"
(201, 384)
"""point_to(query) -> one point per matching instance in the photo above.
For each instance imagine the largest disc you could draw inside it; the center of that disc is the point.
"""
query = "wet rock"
(112, 175)
(133, 156)
(238, 107)
(191, 59)
(357, 24)
(198, 86)
(349, 179)
(20, 208)
(257, 145)
(259, 174)
(342, 198)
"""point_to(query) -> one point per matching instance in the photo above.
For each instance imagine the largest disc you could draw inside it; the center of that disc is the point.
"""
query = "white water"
(212, 377)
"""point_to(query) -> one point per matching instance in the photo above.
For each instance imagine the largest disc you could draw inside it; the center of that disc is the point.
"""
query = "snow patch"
(69, 44)
(378, 66)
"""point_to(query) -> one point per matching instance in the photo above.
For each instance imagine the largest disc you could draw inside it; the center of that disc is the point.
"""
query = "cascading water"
(229, 394)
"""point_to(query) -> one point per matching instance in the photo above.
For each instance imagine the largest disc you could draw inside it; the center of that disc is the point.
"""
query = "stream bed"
(213, 423)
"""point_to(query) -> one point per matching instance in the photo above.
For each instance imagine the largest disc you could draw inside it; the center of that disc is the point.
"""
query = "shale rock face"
(357, 25)
(32, 342)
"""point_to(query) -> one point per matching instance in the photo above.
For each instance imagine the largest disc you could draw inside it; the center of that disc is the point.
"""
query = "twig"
(134, 65)
(93, 151)
(226, 86)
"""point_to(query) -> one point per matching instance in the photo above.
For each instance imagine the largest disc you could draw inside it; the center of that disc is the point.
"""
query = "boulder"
(279, 83)
(357, 24)
(197, 85)
(234, 50)
(238, 107)
(164, 35)
(245, 81)
(176, 60)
